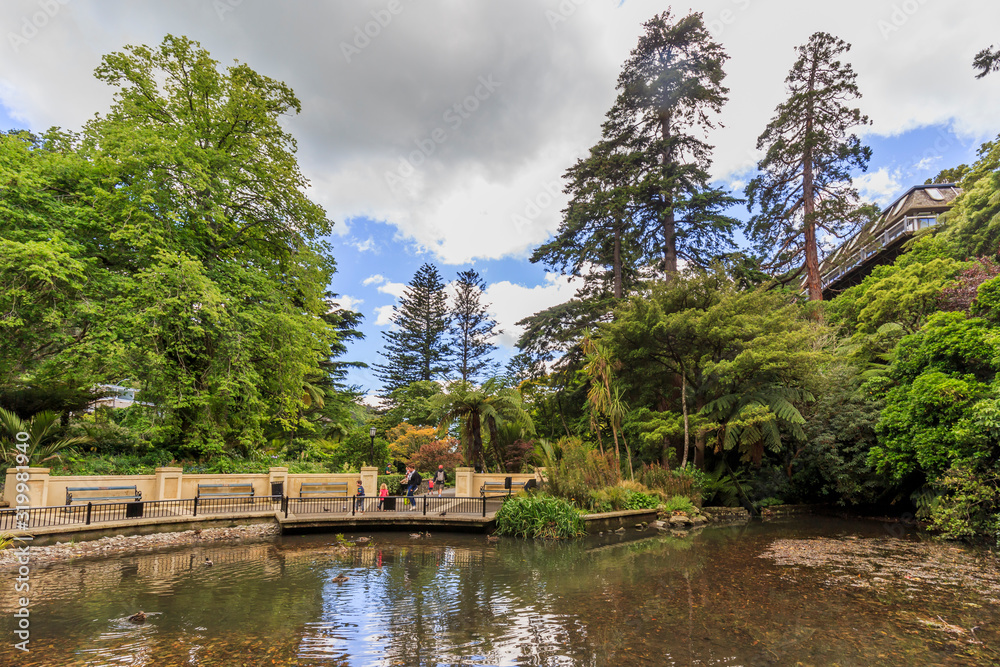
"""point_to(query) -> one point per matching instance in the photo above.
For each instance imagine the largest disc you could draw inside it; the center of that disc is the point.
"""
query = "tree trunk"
(684, 409)
(814, 284)
(618, 261)
(699, 443)
(667, 205)
(477, 439)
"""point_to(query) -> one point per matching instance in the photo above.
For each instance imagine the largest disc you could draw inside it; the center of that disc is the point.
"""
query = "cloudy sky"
(438, 132)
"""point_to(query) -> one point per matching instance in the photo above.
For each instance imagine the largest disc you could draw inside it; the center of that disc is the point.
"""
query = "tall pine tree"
(472, 328)
(415, 347)
(671, 86)
(805, 187)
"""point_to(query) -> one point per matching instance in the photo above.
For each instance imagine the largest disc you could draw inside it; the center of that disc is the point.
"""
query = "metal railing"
(86, 514)
(907, 225)
(426, 505)
(91, 513)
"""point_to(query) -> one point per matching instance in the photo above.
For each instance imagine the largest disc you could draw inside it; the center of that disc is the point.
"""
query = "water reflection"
(457, 600)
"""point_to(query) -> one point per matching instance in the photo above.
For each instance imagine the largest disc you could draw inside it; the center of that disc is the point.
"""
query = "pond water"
(810, 591)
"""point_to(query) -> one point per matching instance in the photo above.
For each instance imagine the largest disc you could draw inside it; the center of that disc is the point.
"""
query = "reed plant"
(537, 515)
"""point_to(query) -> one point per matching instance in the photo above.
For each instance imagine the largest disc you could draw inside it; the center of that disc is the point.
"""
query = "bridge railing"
(86, 514)
(424, 505)
(90, 513)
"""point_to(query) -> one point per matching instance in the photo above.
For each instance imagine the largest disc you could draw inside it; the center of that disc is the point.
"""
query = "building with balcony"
(881, 241)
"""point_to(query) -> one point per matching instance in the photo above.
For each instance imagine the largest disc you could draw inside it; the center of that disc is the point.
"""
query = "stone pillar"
(38, 488)
(275, 475)
(369, 480)
(168, 484)
(464, 482)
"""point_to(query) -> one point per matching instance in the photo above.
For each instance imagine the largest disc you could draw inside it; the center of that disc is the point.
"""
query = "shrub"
(678, 482)
(392, 482)
(432, 454)
(769, 502)
(539, 515)
(637, 500)
(679, 504)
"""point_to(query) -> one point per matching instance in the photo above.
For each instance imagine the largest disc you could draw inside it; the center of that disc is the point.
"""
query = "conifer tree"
(415, 346)
(670, 87)
(597, 231)
(472, 328)
(805, 189)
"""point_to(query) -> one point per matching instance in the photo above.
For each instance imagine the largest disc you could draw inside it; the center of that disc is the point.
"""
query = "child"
(383, 493)
(359, 501)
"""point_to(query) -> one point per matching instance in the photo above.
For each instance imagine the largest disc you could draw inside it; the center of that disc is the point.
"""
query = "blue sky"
(438, 131)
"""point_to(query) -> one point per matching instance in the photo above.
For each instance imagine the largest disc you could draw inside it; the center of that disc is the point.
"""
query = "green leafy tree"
(472, 328)
(972, 225)
(805, 189)
(416, 345)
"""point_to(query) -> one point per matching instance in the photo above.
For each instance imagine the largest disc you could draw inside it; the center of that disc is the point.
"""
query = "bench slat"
(134, 496)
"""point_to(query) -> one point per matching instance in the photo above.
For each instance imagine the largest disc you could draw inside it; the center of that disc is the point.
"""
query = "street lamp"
(371, 432)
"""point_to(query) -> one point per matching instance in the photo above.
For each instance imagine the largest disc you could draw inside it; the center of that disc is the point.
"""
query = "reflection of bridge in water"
(394, 512)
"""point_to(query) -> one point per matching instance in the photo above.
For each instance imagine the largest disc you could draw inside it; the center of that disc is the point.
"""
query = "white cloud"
(880, 185)
(364, 246)
(511, 302)
(348, 303)
(926, 162)
(383, 316)
(395, 289)
(376, 279)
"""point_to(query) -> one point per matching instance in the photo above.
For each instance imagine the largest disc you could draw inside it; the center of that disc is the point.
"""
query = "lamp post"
(371, 432)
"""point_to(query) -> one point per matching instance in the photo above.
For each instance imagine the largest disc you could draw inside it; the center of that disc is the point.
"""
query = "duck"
(416, 536)
(208, 561)
(492, 538)
(363, 540)
(138, 618)
(339, 579)
(426, 534)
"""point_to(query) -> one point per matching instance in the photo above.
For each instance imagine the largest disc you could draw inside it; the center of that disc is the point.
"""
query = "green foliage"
(579, 470)
(42, 440)
(718, 487)
(679, 504)
(637, 500)
(476, 408)
(539, 516)
(904, 293)
(969, 506)
(769, 502)
(394, 483)
(677, 482)
(973, 223)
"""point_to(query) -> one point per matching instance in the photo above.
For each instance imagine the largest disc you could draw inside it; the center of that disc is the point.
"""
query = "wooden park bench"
(107, 493)
(324, 490)
(491, 489)
(234, 490)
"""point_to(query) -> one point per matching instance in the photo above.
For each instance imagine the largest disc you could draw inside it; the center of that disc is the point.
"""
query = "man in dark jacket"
(415, 480)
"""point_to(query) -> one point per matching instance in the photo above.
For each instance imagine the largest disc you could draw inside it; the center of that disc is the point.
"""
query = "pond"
(809, 591)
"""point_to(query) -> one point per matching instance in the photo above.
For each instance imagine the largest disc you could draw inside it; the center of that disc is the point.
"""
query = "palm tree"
(604, 396)
(489, 405)
(41, 443)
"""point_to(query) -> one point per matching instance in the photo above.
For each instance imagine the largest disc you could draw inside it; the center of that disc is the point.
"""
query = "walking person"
(439, 479)
(405, 487)
(359, 500)
(415, 480)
